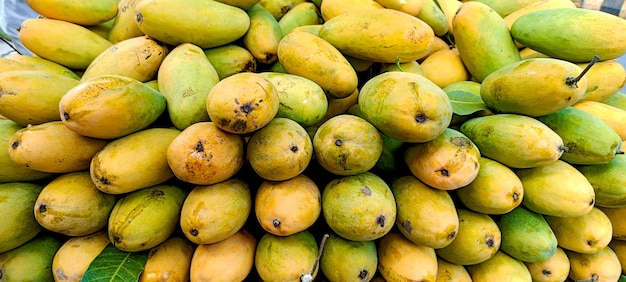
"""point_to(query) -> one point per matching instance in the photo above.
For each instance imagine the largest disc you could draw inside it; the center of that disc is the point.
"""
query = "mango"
(73, 258)
(432, 221)
(445, 67)
(611, 115)
(532, 6)
(618, 226)
(332, 8)
(412, 66)
(212, 213)
(231, 259)
(86, 13)
(12, 171)
(379, 35)
(601, 266)
(575, 35)
(197, 22)
(337, 106)
(505, 8)
(286, 258)
(124, 25)
(619, 247)
(62, 42)
(347, 145)
(142, 219)
(243, 4)
(29, 62)
(557, 189)
(432, 14)
(169, 260)
(517, 141)
(280, 150)
(405, 106)
(94, 108)
(71, 205)
(345, 260)
(359, 207)
(302, 14)
(230, 59)
(607, 181)
(287, 207)
(588, 139)
(555, 268)
(399, 259)
(587, 233)
(604, 79)
(534, 87)
(518, 227)
(449, 272)
(330, 68)
(263, 36)
(17, 205)
(31, 261)
(186, 95)
(477, 240)
(203, 154)
(483, 39)
(30, 147)
(278, 8)
(498, 266)
(495, 190)
(32, 97)
(127, 164)
(617, 99)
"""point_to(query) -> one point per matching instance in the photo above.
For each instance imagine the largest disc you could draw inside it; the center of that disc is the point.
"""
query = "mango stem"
(309, 276)
(572, 81)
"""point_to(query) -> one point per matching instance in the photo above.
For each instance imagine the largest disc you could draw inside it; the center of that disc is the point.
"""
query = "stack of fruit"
(293, 140)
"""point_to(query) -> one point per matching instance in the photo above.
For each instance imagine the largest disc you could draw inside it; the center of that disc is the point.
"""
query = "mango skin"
(168, 260)
(399, 259)
(286, 258)
(575, 35)
(20, 223)
(607, 181)
(345, 260)
(31, 261)
(498, 266)
(11, 171)
(556, 268)
(379, 35)
(86, 13)
(521, 224)
(28, 62)
(585, 234)
(231, 259)
(604, 264)
(198, 22)
(72, 259)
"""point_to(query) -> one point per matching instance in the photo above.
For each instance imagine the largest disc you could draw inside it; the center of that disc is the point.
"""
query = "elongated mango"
(73, 258)
(332, 8)
(305, 13)
(11, 171)
(29, 62)
(231, 59)
(80, 12)
(231, 259)
(604, 79)
(169, 260)
(19, 223)
(124, 25)
(607, 181)
(263, 36)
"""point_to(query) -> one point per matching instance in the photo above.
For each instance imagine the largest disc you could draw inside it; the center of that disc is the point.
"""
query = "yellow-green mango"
(588, 139)
(85, 13)
(619, 247)
(243, 4)
(32, 97)
(133, 162)
(186, 95)
(359, 207)
(124, 25)
(263, 36)
(586, 234)
(332, 8)
(110, 106)
(330, 69)
(286, 258)
(379, 35)
(12, 171)
(433, 15)
(526, 235)
(575, 35)
(345, 260)
(451, 272)
(611, 115)
(199, 22)
(411, 7)
(432, 221)
(73, 258)
(230, 59)
(138, 58)
(31, 261)
(31, 147)
(483, 39)
(405, 106)
(555, 268)
(412, 66)
(556, 189)
(399, 259)
(231, 259)
(517, 141)
(142, 219)
(617, 100)
(601, 266)
(103, 29)
(498, 266)
(604, 79)
(65, 43)
(71, 205)
(607, 181)
(495, 190)
(504, 8)
(20, 225)
(29, 62)
(533, 87)
(301, 99)
(305, 13)
(278, 8)
(618, 225)
(477, 240)
(170, 260)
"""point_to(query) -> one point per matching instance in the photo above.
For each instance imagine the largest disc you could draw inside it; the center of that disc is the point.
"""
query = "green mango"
(504, 8)
(286, 258)
(345, 260)
(31, 261)
(19, 223)
(526, 235)
(230, 59)
(617, 100)
(588, 139)
(608, 181)
(514, 140)
(12, 171)
(575, 35)
(302, 14)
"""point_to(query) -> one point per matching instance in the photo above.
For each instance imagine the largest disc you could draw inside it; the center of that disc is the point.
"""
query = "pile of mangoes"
(328, 140)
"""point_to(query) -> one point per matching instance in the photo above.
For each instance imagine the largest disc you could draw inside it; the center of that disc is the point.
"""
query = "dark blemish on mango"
(444, 172)
(276, 222)
(15, 144)
(194, 232)
(66, 116)
(199, 146)
(338, 142)
(294, 148)
(157, 193)
(381, 220)
(366, 190)
(43, 208)
(421, 118)
(490, 241)
(247, 108)
(451, 235)
(236, 101)
(460, 141)
(407, 226)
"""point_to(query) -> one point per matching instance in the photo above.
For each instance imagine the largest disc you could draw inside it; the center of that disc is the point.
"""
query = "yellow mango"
(337, 106)
(556, 268)
(20, 225)
(449, 8)
(587, 233)
(231, 59)
(12, 171)
(604, 79)
(432, 14)
(170, 260)
(619, 247)
(412, 67)
(231, 259)
(451, 272)
(616, 215)
(84, 13)
(603, 266)
(399, 259)
(278, 8)
(379, 35)
(332, 8)
(124, 25)
(345, 260)
(445, 67)
(498, 266)
(411, 7)
(29, 62)
(263, 36)
(301, 14)
(611, 115)
(73, 258)
(243, 4)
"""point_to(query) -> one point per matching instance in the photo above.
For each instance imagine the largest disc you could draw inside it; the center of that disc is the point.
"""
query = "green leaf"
(465, 103)
(113, 264)
(622, 278)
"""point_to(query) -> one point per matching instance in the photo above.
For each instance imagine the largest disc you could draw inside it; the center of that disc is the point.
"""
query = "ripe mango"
(302, 14)
(615, 215)
(286, 258)
(110, 106)
(517, 141)
(359, 207)
(450, 272)
(31, 261)
(29, 62)
(399, 259)
(604, 79)
(133, 162)
(12, 171)
(498, 266)
(575, 35)
(230, 59)
(186, 95)
(170, 260)
(345, 260)
(212, 213)
(505, 8)
(124, 25)
(526, 235)
(432, 221)
(231, 259)
(142, 219)
(556, 189)
(71, 205)
(432, 14)
(587, 233)
(263, 36)
(611, 115)
(607, 181)
(198, 22)
(86, 13)
(332, 8)
(412, 7)
(73, 258)
(601, 266)
(405, 106)
(20, 223)
(445, 67)
(379, 35)
(555, 268)
(533, 87)
(278, 8)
